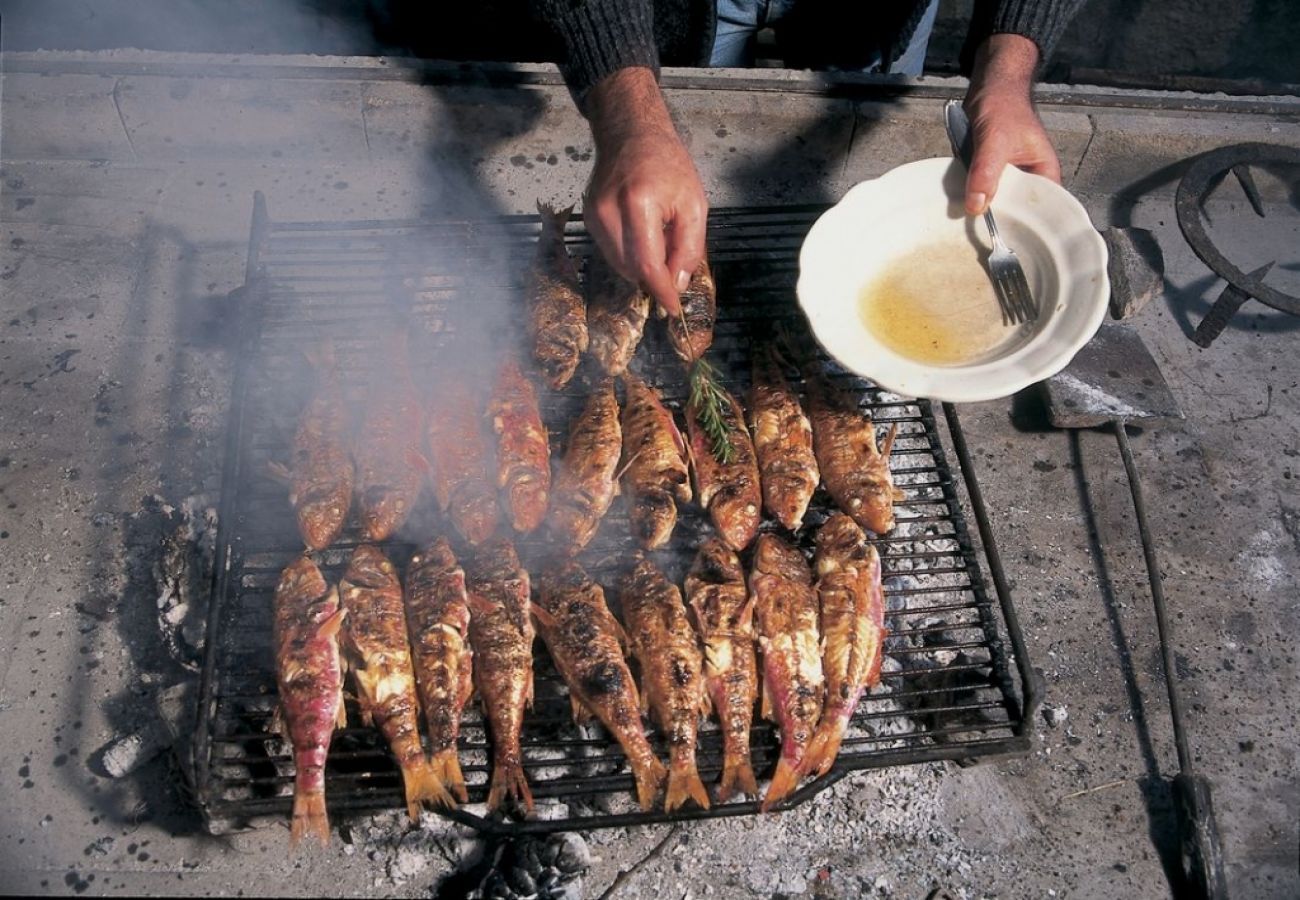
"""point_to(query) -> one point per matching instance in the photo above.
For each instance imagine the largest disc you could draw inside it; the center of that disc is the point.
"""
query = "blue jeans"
(740, 20)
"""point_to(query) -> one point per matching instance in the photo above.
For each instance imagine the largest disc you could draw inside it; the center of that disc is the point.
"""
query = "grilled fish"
(853, 630)
(557, 316)
(390, 467)
(655, 474)
(501, 633)
(460, 456)
(523, 451)
(309, 673)
(729, 491)
(691, 333)
(724, 611)
(783, 441)
(437, 617)
(586, 642)
(793, 681)
(586, 484)
(855, 471)
(616, 314)
(379, 654)
(321, 475)
(672, 683)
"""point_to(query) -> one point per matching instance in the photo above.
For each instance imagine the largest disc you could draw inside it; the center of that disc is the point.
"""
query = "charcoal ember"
(538, 869)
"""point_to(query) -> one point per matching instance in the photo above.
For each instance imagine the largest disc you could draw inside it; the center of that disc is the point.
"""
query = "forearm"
(627, 105)
(1005, 62)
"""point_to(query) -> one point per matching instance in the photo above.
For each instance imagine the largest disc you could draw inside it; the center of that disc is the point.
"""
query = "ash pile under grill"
(949, 687)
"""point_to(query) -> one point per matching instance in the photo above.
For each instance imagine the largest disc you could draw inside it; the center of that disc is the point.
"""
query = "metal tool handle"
(958, 128)
(1198, 835)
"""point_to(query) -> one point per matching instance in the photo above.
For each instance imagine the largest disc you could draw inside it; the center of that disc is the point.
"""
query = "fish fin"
(309, 817)
(422, 786)
(581, 714)
(276, 725)
(737, 777)
(649, 778)
(341, 717)
(477, 603)
(888, 446)
(824, 747)
(620, 635)
(784, 781)
(279, 471)
(417, 460)
(746, 617)
(509, 780)
(529, 693)
(684, 784)
(330, 626)
(445, 771)
(765, 699)
(544, 618)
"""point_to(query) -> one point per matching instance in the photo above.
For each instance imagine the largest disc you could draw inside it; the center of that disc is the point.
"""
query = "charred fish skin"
(655, 474)
(853, 630)
(616, 315)
(523, 448)
(856, 472)
(783, 442)
(729, 491)
(691, 333)
(724, 610)
(793, 680)
(390, 467)
(379, 653)
(322, 475)
(437, 618)
(557, 314)
(586, 485)
(584, 639)
(460, 456)
(501, 635)
(672, 683)
(309, 675)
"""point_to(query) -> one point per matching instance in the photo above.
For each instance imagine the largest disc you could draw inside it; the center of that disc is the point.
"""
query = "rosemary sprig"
(709, 401)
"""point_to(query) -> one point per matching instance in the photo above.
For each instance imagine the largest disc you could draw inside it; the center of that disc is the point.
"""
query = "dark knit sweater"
(602, 36)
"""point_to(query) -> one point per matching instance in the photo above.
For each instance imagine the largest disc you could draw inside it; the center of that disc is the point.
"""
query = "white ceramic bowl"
(919, 205)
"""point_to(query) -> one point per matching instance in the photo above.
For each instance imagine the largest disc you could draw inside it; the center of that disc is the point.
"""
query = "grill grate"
(948, 690)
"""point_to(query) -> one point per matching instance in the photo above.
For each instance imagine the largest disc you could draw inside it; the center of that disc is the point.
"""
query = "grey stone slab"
(79, 194)
(61, 117)
(174, 118)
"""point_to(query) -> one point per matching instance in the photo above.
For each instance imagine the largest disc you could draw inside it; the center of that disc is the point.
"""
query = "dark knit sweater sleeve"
(1042, 21)
(600, 37)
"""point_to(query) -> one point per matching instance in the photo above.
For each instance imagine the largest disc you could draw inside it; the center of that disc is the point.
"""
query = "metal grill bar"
(949, 689)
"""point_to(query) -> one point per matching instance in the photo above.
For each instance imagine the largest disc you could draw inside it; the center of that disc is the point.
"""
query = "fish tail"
(783, 783)
(445, 767)
(824, 746)
(422, 786)
(737, 777)
(509, 780)
(684, 784)
(649, 778)
(309, 817)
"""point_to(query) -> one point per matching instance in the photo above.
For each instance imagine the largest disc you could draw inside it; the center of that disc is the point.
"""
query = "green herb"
(711, 406)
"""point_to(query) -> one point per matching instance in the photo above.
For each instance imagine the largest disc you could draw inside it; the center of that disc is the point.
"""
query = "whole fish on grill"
(586, 484)
(379, 654)
(390, 467)
(586, 643)
(523, 450)
(501, 634)
(793, 681)
(321, 474)
(724, 610)
(853, 630)
(309, 674)
(616, 313)
(672, 681)
(783, 441)
(691, 333)
(460, 457)
(855, 470)
(729, 489)
(655, 474)
(557, 315)
(437, 619)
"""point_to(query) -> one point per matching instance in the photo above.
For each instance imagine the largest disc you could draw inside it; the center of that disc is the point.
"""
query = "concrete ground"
(124, 205)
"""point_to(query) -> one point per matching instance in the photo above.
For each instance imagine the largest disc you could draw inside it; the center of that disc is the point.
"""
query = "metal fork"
(1009, 283)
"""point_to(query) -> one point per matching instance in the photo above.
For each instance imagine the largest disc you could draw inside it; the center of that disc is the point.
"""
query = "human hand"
(1005, 128)
(644, 205)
